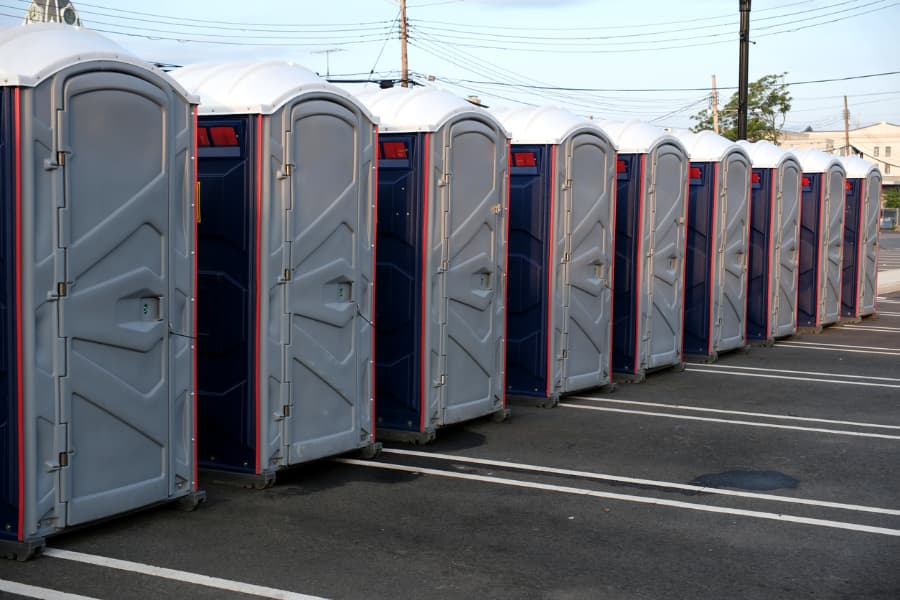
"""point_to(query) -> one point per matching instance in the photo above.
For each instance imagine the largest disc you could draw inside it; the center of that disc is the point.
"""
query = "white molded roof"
(29, 54)
(402, 109)
(816, 161)
(545, 125)
(253, 87)
(765, 154)
(707, 146)
(857, 168)
(636, 137)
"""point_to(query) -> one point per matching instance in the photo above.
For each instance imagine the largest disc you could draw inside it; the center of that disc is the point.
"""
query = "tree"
(768, 102)
(891, 197)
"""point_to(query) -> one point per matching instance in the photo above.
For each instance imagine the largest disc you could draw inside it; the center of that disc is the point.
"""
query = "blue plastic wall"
(528, 293)
(758, 265)
(850, 265)
(807, 279)
(699, 257)
(625, 284)
(9, 488)
(398, 293)
(226, 418)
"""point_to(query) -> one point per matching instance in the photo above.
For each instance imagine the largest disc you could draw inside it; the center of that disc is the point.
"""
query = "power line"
(571, 40)
(564, 47)
(568, 28)
(696, 89)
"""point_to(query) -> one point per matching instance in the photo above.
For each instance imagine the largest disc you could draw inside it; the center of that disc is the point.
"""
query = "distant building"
(52, 11)
(878, 143)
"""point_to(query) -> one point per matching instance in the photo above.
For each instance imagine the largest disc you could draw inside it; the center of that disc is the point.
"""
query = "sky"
(651, 60)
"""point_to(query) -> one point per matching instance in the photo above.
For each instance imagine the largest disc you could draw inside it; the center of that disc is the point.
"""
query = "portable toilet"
(287, 212)
(97, 285)
(821, 239)
(648, 280)
(561, 216)
(715, 303)
(860, 265)
(442, 226)
(774, 245)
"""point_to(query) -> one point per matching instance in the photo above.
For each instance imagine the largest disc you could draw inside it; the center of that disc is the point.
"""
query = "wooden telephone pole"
(715, 105)
(404, 60)
(846, 151)
(743, 69)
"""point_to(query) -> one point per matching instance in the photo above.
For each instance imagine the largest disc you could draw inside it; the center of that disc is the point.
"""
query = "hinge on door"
(63, 459)
(498, 208)
(61, 158)
(445, 265)
(287, 275)
(61, 289)
(443, 379)
(286, 410)
(568, 184)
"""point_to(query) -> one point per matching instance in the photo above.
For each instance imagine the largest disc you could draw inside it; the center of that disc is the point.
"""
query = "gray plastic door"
(114, 304)
(787, 211)
(731, 309)
(584, 224)
(472, 307)
(664, 240)
(830, 303)
(327, 349)
(869, 266)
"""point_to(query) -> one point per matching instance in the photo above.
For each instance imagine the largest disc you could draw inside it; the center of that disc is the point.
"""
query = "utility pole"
(743, 68)
(715, 106)
(846, 151)
(404, 60)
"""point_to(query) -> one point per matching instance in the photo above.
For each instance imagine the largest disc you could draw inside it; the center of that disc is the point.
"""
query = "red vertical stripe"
(877, 249)
(773, 173)
(258, 316)
(860, 240)
(194, 338)
(713, 260)
(426, 183)
(796, 261)
(819, 253)
(551, 210)
(374, 276)
(684, 214)
(506, 271)
(638, 258)
(749, 215)
(20, 346)
(612, 261)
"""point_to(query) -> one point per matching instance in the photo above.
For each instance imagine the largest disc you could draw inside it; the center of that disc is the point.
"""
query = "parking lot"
(773, 473)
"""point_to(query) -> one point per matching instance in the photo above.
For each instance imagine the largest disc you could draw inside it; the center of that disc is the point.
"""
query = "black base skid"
(21, 551)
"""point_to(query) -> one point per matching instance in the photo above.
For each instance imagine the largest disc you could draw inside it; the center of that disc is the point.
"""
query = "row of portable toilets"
(196, 273)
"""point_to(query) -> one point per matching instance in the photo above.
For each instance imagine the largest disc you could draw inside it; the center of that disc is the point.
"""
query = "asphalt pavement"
(773, 473)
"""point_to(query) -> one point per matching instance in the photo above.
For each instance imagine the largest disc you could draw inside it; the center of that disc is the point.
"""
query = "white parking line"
(176, 575)
(786, 377)
(825, 347)
(799, 343)
(734, 412)
(31, 591)
(624, 497)
(651, 482)
(882, 313)
(731, 421)
(869, 328)
(820, 373)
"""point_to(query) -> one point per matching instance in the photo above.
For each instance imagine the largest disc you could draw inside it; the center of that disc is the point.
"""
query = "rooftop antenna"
(52, 11)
